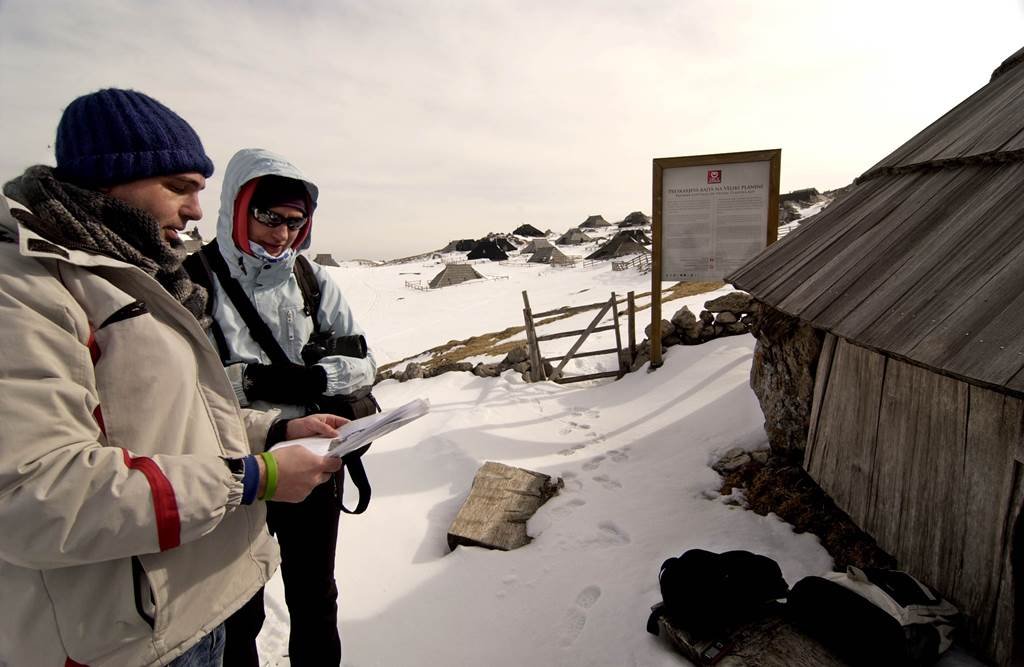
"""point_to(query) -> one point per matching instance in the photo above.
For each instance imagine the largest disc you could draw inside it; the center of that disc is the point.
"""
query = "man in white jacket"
(130, 526)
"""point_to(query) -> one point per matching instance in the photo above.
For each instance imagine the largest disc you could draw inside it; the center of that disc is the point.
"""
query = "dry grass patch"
(495, 344)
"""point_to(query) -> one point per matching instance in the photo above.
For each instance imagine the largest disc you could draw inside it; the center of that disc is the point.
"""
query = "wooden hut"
(594, 222)
(635, 219)
(913, 283)
(535, 245)
(623, 243)
(550, 255)
(573, 237)
(453, 274)
(487, 249)
(192, 240)
(325, 259)
(528, 230)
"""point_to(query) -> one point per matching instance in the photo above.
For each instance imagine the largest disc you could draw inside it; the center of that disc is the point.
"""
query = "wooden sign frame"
(660, 165)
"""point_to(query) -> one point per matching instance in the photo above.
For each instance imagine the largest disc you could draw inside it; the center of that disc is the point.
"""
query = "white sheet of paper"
(358, 432)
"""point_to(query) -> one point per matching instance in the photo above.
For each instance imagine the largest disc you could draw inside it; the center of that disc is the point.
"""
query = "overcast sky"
(424, 121)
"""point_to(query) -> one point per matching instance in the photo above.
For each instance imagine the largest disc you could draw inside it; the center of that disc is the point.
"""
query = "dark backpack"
(874, 617)
(707, 594)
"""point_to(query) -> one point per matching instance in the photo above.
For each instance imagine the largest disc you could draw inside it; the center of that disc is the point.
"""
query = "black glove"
(284, 383)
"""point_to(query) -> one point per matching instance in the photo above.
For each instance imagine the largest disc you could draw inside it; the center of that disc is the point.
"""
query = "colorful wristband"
(271, 486)
(250, 479)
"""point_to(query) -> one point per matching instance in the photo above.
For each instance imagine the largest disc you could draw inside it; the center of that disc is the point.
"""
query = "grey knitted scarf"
(91, 221)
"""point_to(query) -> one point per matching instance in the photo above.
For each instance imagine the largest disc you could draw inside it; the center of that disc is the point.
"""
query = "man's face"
(172, 200)
(275, 240)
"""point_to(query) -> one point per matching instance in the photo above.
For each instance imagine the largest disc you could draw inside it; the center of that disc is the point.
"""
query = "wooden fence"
(538, 360)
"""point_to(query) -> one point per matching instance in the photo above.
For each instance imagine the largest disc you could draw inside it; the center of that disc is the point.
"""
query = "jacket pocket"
(145, 601)
(96, 607)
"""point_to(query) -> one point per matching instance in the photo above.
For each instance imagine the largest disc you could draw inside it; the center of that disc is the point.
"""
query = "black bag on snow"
(707, 594)
(874, 617)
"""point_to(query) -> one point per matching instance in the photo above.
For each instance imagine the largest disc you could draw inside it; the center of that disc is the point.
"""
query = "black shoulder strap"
(199, 272)
(258, 329)
(310, 289)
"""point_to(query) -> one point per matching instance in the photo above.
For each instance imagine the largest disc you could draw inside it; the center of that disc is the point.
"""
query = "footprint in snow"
(576, 615)
(607, 482)
(609, 535)
(568, 507)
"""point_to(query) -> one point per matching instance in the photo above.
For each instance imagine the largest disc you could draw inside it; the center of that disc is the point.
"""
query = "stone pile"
(729, 315)
(518, 359)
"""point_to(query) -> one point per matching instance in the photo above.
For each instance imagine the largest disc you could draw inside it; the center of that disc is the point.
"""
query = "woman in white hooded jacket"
(266, 218)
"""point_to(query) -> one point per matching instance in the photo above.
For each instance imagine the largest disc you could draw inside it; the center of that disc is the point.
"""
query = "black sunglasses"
(273, 219)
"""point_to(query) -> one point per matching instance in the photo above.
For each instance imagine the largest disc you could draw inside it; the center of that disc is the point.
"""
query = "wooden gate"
(537, 359)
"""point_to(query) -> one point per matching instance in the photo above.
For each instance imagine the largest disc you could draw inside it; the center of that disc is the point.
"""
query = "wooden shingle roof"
(924, 258)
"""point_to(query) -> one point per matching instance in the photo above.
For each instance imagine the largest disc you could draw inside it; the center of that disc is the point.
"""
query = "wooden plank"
(531, 341)
(857, 269)
(580, 378)
(828, 349)
(946, 267)
(781, 258)
(993, 124)
(1007, 631)
(500, 502)
(858, 247)
(983, 338)
(987, 485)
(937, 140)
(593, 353)
(618, 337)
(577, 332)
(845, 444)
(531, 344)
(631, 324)
(890, 295)
(770, 641)
(583, 337)
(920, 454)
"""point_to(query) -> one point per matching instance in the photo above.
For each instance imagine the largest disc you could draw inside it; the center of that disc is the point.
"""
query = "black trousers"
(307, 533)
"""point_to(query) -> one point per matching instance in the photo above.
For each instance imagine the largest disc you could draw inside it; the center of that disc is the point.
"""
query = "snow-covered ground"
(634, 455)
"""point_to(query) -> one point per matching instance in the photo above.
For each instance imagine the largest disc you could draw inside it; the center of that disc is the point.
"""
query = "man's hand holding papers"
(359, 432)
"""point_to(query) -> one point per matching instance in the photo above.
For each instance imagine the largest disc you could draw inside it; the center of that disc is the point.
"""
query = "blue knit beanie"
(116, 136)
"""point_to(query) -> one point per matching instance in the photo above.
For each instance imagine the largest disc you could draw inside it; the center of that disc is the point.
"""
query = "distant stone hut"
(550, 255)
(623, 243)
(325, 259)
(574, 236)
(535, 245)
(459, 245)
(192, 239)
(635, 219)
(487, 249)
(506, 242)
(453, 274)
(528, 230)
(594, 222)
(889, 355)
(804, 197)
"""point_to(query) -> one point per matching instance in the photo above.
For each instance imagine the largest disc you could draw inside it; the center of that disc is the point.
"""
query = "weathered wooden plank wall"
(927, 465)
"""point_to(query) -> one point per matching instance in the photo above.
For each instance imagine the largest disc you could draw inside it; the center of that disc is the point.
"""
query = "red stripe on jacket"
(71, 663)
(165, 505)
(94, 347)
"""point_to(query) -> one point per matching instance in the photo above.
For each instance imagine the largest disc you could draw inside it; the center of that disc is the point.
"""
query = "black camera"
(325, 344)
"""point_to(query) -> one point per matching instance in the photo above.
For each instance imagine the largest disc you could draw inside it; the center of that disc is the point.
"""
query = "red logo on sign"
(714, 176)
